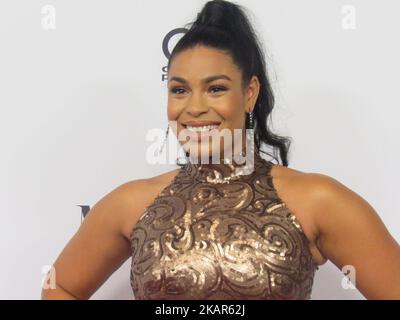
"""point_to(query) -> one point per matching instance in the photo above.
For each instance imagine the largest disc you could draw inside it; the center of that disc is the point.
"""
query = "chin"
(203, 150)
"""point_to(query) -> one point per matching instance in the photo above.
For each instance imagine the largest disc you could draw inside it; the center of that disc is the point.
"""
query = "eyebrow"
(205, 80)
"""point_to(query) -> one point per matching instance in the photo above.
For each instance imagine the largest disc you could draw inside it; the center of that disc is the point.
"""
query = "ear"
(252, 92)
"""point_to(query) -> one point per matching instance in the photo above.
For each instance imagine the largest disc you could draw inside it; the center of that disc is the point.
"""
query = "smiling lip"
(200, 123)
(196, 136)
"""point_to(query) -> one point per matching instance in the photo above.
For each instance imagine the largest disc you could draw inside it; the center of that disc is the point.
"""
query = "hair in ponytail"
(224, 25)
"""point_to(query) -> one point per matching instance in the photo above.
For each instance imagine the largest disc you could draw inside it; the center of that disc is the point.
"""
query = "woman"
(210, 231)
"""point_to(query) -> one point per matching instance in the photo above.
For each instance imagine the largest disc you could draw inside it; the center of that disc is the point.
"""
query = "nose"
(196, 105)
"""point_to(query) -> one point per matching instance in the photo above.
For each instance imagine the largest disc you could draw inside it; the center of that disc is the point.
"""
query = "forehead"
(200, 62)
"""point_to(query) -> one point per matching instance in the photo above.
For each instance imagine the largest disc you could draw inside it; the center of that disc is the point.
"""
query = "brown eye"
(176, 90)
(219, 88)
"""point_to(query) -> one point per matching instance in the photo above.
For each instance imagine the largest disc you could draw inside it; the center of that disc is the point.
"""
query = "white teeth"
(202, 129)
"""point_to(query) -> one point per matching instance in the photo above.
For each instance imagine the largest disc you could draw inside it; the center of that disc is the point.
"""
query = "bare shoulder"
(302, 192)
(313, 191)
(109, 219)
(332, 216)
(314, 186)
(307, 191)
(346, 229)
(298, 190)
(139, 194)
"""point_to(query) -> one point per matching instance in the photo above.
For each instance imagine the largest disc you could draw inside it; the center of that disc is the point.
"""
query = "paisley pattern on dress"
(237, 240)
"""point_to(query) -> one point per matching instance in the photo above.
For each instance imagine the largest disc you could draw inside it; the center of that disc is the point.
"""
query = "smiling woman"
(209, 230)
(206, 89)
(211, 82)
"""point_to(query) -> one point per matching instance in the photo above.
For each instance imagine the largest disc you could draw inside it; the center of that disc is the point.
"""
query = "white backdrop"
(76, 102)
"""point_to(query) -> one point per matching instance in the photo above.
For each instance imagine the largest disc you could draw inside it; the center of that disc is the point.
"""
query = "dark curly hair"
(225, 26)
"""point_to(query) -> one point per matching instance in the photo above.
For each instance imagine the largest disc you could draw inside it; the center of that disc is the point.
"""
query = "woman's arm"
(352, 233)
(57, 293)
(99, 247)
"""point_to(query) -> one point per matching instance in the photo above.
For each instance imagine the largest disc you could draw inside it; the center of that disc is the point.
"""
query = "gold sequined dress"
(225, 241)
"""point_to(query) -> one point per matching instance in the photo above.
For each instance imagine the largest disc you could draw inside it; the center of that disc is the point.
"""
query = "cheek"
(231, 106)
(232, 112)
(172, 112)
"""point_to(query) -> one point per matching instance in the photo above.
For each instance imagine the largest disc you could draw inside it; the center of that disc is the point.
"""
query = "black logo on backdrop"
(84, 211)
(165, 46)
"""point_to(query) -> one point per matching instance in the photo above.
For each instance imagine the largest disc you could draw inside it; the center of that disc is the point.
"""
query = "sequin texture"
(199, 240)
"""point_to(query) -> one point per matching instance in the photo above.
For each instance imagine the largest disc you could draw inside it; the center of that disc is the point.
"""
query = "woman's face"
(204, 88)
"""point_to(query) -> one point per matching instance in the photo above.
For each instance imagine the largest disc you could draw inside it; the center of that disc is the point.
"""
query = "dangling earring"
(250, 134)
(160, 149)
(251, 120)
